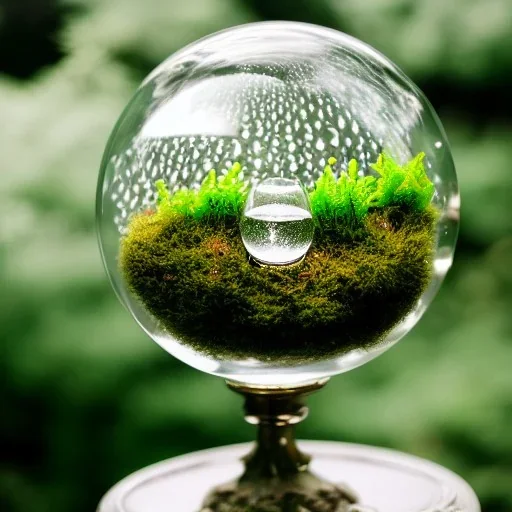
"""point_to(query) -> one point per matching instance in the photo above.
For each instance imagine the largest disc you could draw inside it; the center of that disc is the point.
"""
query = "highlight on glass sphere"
(277, 203)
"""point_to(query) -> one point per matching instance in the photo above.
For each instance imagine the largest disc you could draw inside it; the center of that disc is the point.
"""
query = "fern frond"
(323, 197)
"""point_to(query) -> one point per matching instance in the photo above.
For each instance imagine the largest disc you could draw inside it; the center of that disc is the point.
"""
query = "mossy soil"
(349, 291)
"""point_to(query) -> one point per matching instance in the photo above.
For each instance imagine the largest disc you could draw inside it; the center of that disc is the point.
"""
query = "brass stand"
(276, 476)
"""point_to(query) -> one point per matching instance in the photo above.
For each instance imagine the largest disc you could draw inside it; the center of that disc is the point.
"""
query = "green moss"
(370, 261)
(196, 279)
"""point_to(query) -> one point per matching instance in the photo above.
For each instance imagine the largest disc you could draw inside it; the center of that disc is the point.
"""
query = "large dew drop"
(277, 226)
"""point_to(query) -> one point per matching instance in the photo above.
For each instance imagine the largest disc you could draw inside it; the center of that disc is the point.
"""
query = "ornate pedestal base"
(385, 480)
(276, 475)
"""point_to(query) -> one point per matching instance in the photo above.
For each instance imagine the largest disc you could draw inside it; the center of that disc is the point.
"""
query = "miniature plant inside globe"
(268, 269)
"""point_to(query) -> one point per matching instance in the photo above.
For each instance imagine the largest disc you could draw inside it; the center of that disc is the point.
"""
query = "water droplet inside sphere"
(277, 226)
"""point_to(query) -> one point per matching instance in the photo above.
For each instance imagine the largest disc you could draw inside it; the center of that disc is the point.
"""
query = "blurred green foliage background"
(86, 398)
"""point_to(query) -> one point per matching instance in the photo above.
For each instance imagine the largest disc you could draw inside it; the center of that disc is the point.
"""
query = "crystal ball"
(277, 204)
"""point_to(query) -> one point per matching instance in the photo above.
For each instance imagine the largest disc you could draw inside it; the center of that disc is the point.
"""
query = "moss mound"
(354, 285)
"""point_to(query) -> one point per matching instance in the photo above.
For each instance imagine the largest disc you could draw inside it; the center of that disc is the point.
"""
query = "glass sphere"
(277, 204)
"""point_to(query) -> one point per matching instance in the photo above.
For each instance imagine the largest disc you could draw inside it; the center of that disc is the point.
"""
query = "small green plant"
(349, 198)
(406, 186)
(346, 200)
(218, 197)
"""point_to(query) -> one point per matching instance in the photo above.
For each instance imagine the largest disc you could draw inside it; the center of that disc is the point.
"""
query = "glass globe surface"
(277, 204)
